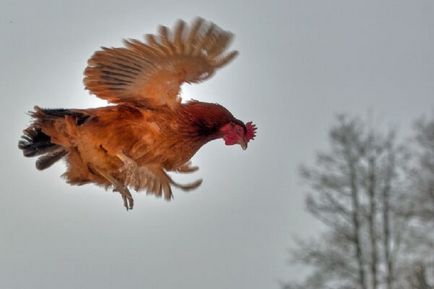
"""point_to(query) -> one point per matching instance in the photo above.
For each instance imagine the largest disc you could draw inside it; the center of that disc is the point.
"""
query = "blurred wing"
(153, 71)
(154, 180)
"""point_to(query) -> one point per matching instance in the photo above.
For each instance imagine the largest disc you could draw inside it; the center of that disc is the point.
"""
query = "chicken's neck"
(202, 121)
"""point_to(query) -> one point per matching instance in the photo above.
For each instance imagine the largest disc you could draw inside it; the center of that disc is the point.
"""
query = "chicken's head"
(236, 132)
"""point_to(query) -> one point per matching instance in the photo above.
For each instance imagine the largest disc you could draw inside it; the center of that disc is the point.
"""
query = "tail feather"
(50, 158)
(51, 114)
(35, 142)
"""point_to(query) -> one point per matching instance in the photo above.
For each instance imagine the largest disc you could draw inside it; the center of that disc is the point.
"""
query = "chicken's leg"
(118, 187)
(130, 168)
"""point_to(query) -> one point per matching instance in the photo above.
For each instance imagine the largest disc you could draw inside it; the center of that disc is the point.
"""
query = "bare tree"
(420, 207)
(356, 189)
(385, 200)
(423, 173)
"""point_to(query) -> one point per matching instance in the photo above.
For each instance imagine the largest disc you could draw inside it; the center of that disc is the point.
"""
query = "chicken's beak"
(243, 144)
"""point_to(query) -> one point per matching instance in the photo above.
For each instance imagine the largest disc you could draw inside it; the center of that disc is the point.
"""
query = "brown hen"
(149, 131)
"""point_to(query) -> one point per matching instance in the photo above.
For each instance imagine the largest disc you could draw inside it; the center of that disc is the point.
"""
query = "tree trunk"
(371, 222)
(386, 222)
(356, 223)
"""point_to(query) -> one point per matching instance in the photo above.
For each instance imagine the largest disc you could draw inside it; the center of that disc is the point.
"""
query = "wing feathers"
(153, 43)
(191, 41)
(154, 180)
(164, 39)
(154, 70)
(221, 44)
(203, 39)
(179, 36)
(225, 60)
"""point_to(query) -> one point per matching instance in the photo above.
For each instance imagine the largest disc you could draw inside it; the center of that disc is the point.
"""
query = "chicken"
(148, 131)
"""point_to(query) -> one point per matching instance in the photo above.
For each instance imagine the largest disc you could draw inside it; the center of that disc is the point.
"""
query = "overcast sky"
(300, 63)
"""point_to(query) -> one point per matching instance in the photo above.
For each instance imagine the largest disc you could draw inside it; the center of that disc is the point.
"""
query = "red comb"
(251, 131)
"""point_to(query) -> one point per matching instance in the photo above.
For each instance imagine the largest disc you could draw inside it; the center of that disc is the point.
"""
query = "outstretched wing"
(153, 71)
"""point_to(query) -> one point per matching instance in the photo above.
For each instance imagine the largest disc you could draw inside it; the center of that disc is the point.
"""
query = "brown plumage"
(149, 131)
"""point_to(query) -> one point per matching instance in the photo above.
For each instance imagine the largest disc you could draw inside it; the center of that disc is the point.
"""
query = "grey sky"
(300, 63)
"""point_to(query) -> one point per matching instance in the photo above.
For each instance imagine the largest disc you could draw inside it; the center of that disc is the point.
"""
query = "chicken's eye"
(238, 129)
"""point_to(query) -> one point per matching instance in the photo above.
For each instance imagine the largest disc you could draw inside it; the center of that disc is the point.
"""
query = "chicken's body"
(149, 137)
(134, 143)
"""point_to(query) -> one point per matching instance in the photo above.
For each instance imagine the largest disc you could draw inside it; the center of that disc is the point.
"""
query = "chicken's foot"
(118, 186)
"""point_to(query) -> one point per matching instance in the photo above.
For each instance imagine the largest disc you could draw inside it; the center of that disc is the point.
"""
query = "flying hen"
(148, 131)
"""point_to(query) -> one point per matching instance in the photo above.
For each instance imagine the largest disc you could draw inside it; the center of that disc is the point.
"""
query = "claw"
(126, 197)
(128, 201)
(125, 202)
